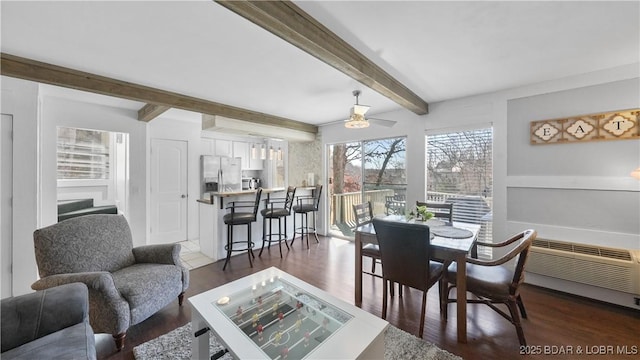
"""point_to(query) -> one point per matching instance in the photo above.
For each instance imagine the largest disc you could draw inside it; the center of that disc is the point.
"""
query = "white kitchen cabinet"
(242, 149)
(217, 147)
(223, 147)
(206, 146)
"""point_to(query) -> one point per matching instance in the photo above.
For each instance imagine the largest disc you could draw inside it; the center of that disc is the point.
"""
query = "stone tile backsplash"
(305, 158)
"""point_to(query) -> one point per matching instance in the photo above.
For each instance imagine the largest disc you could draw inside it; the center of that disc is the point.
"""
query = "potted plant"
(421, 214)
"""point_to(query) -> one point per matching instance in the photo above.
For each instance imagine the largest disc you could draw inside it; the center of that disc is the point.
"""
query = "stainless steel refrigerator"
(220, 174)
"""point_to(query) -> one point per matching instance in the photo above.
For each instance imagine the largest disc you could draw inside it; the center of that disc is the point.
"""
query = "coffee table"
(271, 314)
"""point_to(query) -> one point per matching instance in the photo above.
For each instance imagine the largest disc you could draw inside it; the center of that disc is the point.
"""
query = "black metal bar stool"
(271, 212)
(306, 205)
(241, 218)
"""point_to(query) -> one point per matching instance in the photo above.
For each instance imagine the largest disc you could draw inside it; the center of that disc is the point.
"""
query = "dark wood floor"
(555, 319)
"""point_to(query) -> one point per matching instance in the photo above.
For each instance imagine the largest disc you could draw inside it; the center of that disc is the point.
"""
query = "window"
(93, 164)
(373, 170)
(83, 154)
(460, 171)
(385, 174)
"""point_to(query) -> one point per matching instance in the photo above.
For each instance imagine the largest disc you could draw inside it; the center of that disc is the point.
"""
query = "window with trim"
(83, 154)
(460, 171)
(370, 170)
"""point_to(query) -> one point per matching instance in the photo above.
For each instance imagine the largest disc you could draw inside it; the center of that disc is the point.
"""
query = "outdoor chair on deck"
(395, 204)
(493, 282)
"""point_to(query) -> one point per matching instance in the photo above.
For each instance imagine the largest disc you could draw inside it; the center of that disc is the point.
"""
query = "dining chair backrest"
(363, 213)
(521, 250)
(405, 250)
(395, 204)
(441, 211)
(523, 241)
(489, 280)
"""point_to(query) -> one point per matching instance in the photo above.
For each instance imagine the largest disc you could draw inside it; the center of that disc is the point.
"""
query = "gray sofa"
(48, 324)
(126, 284)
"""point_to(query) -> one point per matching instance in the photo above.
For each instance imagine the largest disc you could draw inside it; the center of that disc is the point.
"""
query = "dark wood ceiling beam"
(27, 69)
(151, 111)
(289, 22)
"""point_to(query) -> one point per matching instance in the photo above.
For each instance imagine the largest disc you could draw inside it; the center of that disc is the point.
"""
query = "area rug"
(177, 345)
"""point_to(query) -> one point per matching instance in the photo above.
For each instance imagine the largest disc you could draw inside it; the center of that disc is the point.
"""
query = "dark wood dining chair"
(406, 251)
(441, 211)
(363, 215)
(494, 283)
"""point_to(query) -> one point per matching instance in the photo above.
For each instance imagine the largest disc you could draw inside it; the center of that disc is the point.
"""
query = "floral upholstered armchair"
(126, 284)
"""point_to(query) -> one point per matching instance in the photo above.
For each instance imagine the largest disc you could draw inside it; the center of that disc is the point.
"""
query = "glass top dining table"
(454, 249)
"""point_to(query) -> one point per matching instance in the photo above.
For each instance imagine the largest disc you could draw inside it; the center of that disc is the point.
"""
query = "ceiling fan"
(357, 119)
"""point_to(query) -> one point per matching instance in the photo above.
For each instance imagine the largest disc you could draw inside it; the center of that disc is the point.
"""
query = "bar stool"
(306, 205)
(241, 218)
(270, 213)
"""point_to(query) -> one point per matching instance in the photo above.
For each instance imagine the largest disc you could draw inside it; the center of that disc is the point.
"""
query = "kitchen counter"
(211, 200)
(243, 192)
(213, 231)
(212, 228)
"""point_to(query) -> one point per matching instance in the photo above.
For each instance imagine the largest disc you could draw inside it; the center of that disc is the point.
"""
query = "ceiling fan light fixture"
(360, 109)
(356, 121)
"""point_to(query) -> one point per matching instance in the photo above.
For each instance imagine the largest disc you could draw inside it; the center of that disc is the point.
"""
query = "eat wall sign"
(604, 126)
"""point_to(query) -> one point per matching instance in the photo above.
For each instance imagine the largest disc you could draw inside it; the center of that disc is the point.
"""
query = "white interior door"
(168, 191)
(6, 207)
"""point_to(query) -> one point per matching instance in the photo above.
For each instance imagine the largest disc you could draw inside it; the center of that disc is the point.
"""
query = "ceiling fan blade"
(382, 122)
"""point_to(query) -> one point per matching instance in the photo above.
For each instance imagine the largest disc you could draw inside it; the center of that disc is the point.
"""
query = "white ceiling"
(440, 50)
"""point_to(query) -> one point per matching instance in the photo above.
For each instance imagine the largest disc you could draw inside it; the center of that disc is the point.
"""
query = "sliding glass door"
(370, 170)
(345, 186)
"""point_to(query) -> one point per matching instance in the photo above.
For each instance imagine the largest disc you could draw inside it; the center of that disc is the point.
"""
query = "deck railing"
(470, 209)
(343, 204)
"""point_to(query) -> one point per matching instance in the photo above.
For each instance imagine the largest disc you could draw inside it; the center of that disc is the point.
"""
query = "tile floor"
(191, 256)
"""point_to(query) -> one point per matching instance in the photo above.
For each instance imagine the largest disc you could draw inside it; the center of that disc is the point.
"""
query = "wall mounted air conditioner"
(241, 127)
(610, 268)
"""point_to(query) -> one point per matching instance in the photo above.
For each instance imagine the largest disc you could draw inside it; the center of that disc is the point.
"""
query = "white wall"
(20, 99)
(580, 191)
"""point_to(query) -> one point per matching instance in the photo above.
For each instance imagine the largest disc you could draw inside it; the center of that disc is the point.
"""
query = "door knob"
(183, 196)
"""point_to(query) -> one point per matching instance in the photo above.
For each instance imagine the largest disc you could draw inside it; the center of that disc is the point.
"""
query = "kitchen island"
(213, 231)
